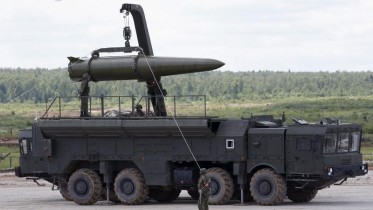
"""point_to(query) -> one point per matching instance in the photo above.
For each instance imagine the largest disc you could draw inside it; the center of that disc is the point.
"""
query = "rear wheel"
(85, 186)
(301, 196)
(163, 195)
(267, 187)
(130, 188)
(221, 186)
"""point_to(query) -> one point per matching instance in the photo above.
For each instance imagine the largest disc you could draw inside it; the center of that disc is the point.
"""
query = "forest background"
(347, 96)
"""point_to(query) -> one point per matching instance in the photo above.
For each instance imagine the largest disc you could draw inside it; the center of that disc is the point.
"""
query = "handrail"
(46, 111)
(102, 99)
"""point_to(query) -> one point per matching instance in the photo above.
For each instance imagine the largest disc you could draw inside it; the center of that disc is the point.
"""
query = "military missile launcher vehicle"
(129, 158)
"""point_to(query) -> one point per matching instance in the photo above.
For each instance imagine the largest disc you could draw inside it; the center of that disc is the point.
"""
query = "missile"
(136, 67)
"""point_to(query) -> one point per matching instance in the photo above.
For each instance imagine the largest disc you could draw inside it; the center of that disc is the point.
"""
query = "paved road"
(336, 197)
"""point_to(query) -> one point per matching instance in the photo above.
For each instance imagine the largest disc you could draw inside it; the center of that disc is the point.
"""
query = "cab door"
(304, 149)
(30, 163)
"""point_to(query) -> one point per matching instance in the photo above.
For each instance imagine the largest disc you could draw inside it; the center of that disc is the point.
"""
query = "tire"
(267, 187)
(130, 188)
(221, 186)
(64, 190)
(301, 196)
(194, 194)
(164, 196)
(85, 186)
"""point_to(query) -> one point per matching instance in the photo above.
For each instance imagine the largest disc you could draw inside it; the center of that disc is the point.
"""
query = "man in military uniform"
(204, 189)
(156, 94)
(84, 95)
(139, 112)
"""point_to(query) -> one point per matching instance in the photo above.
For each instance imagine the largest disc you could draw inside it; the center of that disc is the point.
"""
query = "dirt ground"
(19, 193)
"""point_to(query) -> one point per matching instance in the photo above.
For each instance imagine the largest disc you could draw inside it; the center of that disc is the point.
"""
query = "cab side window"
(330, 143)
(355, 141)
(343, 140)
(23, 146)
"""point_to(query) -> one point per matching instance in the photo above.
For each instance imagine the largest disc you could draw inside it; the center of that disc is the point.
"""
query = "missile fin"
(74, 59)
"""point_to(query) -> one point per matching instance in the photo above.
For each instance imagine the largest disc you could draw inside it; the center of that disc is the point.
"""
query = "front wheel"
(130, 188)
(267, 187)
(301, 196)
(85, 186)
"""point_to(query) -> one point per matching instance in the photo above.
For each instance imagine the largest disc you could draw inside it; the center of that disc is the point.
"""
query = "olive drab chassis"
(241, 148)
(128, 159)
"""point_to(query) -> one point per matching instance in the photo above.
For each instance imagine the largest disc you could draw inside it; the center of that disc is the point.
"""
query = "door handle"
(256, 144)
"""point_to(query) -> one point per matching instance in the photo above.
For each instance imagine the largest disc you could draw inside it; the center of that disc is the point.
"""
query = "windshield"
(342, 142)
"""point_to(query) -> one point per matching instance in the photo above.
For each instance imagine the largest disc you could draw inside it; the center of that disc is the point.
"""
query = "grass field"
(10, 161)
(367, 151)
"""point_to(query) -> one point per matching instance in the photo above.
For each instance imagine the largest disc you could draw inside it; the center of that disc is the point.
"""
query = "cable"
(20, 95)
(173, 117)
(13, 100)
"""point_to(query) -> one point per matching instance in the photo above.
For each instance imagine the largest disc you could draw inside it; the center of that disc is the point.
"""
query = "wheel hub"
(215, 188)
(265, 188)
(127, 186)
(81, 187)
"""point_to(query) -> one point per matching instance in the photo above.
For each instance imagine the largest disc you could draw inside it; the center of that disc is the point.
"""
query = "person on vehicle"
(204, 189)
(84, 95)
(139, 112)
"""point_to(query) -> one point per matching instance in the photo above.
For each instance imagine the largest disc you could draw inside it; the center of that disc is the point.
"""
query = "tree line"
(38, 85)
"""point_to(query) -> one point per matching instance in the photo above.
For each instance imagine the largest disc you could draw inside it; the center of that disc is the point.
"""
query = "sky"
(247, 35)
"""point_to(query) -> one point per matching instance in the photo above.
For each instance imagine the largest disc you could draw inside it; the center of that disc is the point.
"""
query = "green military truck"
(129, 159)
(139, 157)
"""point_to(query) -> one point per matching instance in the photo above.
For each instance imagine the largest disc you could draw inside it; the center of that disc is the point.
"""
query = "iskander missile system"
(143, 67)
(137, 67)
(129, 159)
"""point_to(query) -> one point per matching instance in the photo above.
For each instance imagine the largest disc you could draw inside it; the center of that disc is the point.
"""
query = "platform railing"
(124, 106)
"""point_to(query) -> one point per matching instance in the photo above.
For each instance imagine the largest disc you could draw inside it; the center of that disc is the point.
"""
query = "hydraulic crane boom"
(140, 25)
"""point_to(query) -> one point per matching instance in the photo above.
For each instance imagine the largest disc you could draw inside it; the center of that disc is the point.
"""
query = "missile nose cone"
(216, 64)
(206, 64)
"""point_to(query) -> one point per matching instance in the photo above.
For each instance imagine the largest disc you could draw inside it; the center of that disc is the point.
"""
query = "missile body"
(136, 67)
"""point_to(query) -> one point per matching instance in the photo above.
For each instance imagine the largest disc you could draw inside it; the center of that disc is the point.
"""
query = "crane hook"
(127, 33)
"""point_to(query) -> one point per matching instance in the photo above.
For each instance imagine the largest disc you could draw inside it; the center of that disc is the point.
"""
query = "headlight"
(364, 168)
(330, 172)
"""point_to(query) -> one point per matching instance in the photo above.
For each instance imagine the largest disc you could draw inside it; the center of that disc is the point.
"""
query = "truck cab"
(320, 155)
(31, 163)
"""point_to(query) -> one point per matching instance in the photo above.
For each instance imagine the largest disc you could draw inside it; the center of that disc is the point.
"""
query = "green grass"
(367, 151)
(12, 160)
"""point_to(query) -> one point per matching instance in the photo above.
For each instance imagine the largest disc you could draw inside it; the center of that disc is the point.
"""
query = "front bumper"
(345, 171)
